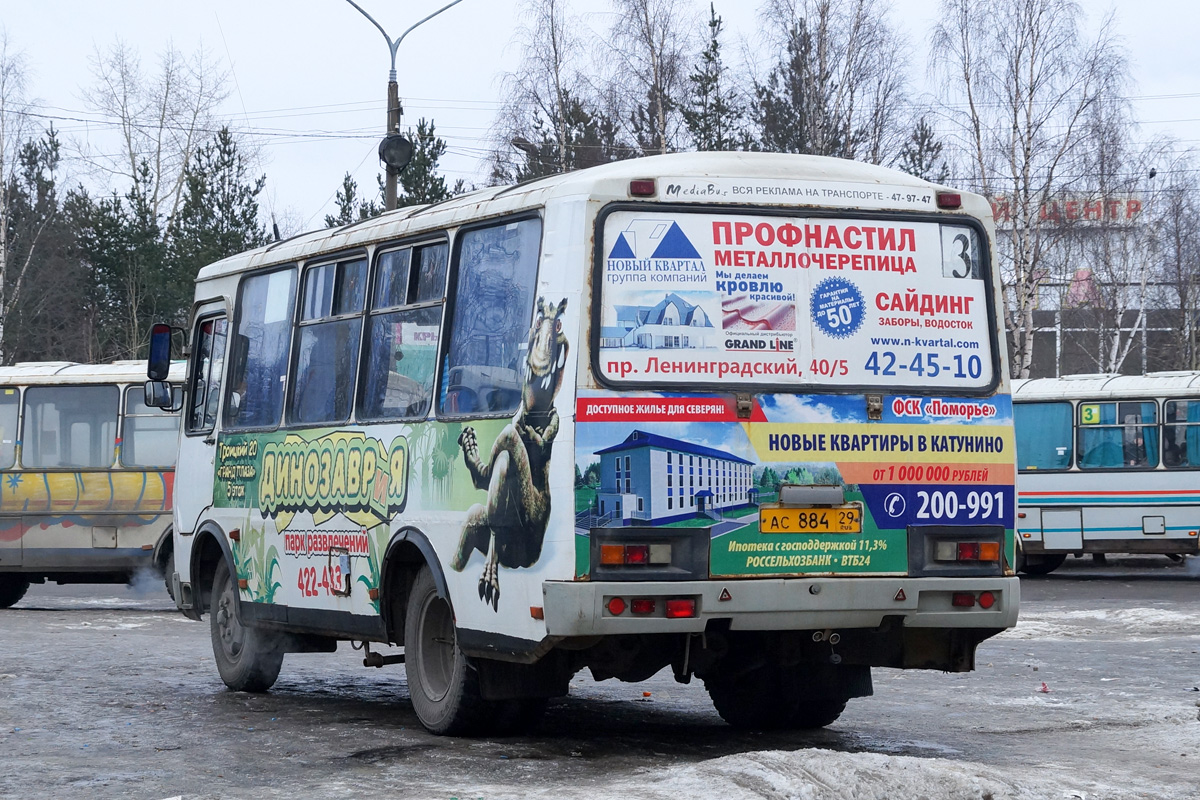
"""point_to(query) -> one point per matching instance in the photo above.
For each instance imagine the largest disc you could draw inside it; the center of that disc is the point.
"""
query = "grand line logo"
(339, 473)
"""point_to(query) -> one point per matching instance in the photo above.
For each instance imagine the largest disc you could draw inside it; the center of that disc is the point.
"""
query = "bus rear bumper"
(582, 608)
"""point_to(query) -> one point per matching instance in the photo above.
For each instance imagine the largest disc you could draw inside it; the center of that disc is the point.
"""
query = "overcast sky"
(310, 75)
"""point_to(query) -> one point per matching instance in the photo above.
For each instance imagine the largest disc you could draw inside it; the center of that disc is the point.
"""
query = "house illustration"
(673, 323)
(653, 478)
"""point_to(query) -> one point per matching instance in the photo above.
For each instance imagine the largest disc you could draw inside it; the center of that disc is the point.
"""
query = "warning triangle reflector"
(900, 596)
(725, 595)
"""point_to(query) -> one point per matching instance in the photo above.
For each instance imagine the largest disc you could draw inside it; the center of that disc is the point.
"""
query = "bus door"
(197, 447)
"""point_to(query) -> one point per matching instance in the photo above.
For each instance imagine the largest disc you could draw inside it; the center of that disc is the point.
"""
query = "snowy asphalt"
(107, 692)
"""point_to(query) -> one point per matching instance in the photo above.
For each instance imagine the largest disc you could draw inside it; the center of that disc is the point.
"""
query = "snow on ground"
(1131, 624)
(827, 775)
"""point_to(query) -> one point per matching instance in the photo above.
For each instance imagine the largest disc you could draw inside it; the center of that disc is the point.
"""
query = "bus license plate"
(810, 520)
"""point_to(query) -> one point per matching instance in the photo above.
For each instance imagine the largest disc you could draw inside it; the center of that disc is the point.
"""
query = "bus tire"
(12, 588)
(442, 683)
(771, 697)
(817, 712)
(249, 659)
(1042, 564)
(752, 700)
(168, 571)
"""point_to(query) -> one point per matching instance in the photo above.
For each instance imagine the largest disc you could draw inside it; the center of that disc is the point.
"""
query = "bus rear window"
(704, 298)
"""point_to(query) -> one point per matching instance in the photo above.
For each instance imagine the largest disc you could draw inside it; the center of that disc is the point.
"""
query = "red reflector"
(681, 608)
(987, 600)
(637, 554)
(968, 551)
(963, 600)
(616, 606)
(642, 605)
(641, 188)
(949, 200)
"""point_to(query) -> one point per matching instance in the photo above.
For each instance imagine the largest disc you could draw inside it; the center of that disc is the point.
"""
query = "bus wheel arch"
(406, 554)
(209, 549)
(164, 558)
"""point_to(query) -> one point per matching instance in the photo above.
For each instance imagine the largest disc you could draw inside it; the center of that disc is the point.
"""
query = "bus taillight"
(681, 607)
(635, 554)
(967, 551)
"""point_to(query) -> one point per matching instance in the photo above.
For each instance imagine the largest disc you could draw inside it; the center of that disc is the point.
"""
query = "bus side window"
(70, 426)
(151, 435)
(258, 368)
(493, 307)
(1115, 435)
(1181, 434)
(10, 401)
(402, 337)
(327, 342)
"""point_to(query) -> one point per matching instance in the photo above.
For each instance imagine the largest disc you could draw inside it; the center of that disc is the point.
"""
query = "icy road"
(105, 692)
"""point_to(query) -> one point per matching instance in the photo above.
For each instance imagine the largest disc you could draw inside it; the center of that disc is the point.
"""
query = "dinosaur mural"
(511, 526)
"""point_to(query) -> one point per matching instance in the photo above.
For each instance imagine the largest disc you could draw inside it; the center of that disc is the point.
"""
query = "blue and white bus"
(1107, 464)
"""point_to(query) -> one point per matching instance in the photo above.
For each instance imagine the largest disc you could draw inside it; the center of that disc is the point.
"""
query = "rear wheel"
(441, 681)
(772, 697)
(1042, 564)
(12, 588)
(248, 659)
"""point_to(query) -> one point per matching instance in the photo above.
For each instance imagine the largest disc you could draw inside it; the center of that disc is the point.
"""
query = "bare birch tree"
(651, 44)
(1018, 78)
(1173, 206)
(161, 118)
(538, 95)
(839, 87)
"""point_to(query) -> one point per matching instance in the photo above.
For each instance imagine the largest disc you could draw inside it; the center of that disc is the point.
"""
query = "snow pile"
(828, 775)
(1142, 623)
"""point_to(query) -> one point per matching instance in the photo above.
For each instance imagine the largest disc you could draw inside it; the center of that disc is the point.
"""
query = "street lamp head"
(395, 151)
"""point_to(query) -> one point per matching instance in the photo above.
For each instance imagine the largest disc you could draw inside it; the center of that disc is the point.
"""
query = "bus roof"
(608, 182)
(1100, 386)
(28, 373)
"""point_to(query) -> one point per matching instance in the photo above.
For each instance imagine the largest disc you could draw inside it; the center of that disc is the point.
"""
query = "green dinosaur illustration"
(510, 527)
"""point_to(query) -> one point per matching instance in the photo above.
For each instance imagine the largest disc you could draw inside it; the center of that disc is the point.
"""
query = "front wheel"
(248, 659)
(441, 681)
(12, 588)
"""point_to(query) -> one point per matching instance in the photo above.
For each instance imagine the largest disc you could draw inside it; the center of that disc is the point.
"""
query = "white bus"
(86, 469)
(742, 415)
(1107, 464)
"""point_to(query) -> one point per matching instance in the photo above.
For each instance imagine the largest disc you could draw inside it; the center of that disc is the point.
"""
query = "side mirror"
(158, 366)
(158, 394)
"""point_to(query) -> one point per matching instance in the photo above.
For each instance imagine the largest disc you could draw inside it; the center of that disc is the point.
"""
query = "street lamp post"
(394, 110)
